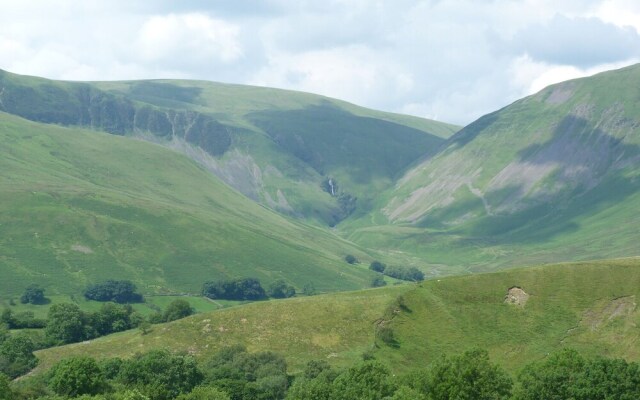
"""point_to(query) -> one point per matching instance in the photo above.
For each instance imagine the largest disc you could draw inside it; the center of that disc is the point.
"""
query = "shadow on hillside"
(590, 167)
(328, 138)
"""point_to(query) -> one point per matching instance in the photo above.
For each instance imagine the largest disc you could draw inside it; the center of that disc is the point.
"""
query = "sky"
(450, 60)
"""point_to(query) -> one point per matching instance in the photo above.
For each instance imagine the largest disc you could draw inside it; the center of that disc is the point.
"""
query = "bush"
(116, 291)
(351, 259)
(280, 290)
(66, 323)
(406, 274)
(377, 266)
(378, 281)
(33, 294)
(309, 289)
(177, 309)
(238, 289)
(161, 375)
(76, 376)
(16, 356)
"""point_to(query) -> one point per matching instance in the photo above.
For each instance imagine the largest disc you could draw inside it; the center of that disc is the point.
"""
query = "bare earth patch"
(616, 308)
(81, 249)
(516, 296)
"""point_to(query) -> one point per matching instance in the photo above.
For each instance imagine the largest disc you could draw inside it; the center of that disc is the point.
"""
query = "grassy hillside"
(542, 180)
(277, 147)
(79, 206)
(589, 306)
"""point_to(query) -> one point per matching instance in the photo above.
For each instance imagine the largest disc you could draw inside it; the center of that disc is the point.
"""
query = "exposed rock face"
(516, 296)
(84, 105)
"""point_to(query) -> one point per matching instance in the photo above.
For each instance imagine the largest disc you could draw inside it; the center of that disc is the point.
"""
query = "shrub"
(406, 274)
(33, 294)
(377, 266)
(76, 376)
(177, 309)
(351, 259)
(116, 291)
(280, 290)
(238, 289)
(378, 281)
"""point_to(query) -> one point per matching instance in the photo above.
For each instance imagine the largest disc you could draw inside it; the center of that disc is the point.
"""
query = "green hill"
(79, 206)
(552, 177)
(304, 155)
(589, 306)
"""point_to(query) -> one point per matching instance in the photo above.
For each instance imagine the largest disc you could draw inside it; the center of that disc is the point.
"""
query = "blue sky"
(452, 60)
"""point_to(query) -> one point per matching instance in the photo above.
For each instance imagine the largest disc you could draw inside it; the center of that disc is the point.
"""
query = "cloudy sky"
(451, 60)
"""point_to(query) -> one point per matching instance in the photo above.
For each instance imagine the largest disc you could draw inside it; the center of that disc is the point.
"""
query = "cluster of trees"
(33, 294)
(411, 274)
(235, 374)
(67, 323)
(249, 289)
(115, 291)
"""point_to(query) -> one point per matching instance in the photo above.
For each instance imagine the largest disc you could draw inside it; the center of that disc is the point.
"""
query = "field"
(589, 306)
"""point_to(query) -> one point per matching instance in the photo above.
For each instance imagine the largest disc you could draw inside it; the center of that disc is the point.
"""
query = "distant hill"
(519, 316)
(554, 176)
(304, 155)
(80, 206)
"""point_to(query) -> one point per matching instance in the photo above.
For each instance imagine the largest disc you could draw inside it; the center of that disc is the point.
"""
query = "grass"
(78, 207)
(589, 306)
(552, 177)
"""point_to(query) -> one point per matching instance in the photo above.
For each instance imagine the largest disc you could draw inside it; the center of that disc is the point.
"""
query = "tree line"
(235, 374)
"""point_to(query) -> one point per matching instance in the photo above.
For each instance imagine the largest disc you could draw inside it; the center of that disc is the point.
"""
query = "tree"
(238, 289)
(468, 376)
(5, 391)
(17, 355)
(111, 318)
(567, 375)
(33, 294)
(309, 289)
(76, 376)
(112, 290)
(205, 393)
(378, 281)
(367, 380)
(406, 274)
(351, 259)
(160, 374)
(66, 323)
(377, 266)
(280, 290)
(177, 309)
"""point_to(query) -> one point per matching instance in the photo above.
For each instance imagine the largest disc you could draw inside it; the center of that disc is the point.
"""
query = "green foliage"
(33, 294)
(112, 290)
(568, 375)
(76, 376)
(111, 318)
(412, 274)
(377, 266)
(5, 391)
(160, 374)
(66, 323)
(247, 376)
(368, 380)
(468, 376)
(205, 393)
(177, 309)
(385, 333)
(280, 290)
(378, 281)
(351, 259)
(315, 368)
(238, 289)
(309, 289)
(16, 355)
(21, 320)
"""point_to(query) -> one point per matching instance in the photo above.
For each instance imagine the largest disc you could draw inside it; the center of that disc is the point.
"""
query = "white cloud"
(450, 59)
(188, 39)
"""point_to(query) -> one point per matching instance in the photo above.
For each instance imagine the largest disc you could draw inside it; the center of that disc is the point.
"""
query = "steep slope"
(301, 154)
(557, 171)
(79, 206)
(589, 306)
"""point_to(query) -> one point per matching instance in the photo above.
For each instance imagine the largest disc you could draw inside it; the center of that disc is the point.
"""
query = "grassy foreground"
(589, 306)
